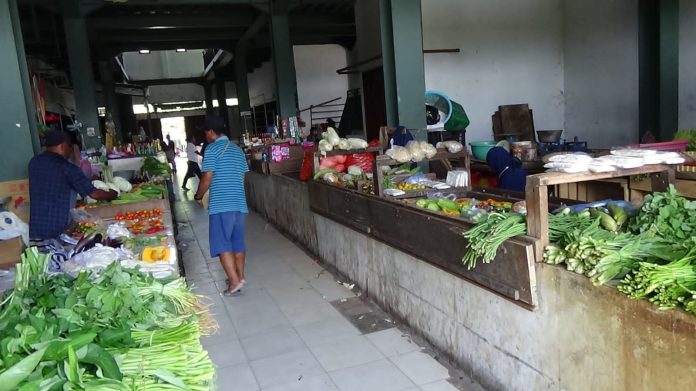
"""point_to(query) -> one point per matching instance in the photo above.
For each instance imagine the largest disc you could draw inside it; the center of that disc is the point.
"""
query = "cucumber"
(447, 204)
(618, 213)
(433, 206)
(323, 172)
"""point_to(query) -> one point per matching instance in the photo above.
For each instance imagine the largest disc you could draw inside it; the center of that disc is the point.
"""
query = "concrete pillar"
(669, 68)
(128, 120)
(208, 93)
(283, 61)
(242, 86)
(17, 119)
(81, 72)
(402, 57)
(221, 95)
(111, 103)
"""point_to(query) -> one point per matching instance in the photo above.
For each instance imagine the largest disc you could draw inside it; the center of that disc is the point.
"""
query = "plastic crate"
(672, 146)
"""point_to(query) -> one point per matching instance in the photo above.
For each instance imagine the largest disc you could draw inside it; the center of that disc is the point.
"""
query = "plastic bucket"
(455, 119)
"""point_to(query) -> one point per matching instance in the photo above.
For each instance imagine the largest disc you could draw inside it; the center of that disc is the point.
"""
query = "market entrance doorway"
(176, 128)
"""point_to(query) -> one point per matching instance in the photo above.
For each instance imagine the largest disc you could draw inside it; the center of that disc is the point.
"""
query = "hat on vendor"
(214, 122)
(55, 137)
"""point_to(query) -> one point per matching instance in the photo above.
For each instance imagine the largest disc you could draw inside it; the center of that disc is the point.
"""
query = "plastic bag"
(363, 160)
(82, 216)
(307, 165)
(118, 230)
(400, 154)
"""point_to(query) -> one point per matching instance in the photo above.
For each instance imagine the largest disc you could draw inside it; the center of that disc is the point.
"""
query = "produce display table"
(538, 202)
(108, 213)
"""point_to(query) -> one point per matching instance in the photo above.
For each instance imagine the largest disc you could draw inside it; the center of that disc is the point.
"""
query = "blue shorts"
(226, 233)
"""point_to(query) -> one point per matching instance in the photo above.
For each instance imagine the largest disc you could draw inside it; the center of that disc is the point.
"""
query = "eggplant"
(87, 242)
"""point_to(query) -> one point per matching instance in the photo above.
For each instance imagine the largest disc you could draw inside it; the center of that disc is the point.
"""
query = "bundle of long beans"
(487, 236)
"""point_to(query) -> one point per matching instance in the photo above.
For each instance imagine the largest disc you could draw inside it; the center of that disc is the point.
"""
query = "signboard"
(280, 152)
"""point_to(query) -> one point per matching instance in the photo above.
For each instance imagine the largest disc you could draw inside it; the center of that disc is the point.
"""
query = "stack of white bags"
(618, 159)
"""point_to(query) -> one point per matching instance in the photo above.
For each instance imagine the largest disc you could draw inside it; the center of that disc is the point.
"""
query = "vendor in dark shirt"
(52, 181)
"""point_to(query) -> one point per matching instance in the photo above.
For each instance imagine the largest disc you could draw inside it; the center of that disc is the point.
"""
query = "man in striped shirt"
(224, 168)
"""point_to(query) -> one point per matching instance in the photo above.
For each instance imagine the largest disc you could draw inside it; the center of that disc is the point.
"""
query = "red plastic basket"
(672, 146)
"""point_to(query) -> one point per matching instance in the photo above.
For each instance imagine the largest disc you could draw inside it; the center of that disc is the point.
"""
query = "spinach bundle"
(97, 332)
(668, 215)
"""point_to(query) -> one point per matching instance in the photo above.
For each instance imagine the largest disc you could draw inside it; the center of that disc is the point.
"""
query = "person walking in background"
(224, 168)
(192, 155)
(170, 152)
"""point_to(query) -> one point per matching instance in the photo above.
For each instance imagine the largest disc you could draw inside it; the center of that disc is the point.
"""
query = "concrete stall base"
(580, 337)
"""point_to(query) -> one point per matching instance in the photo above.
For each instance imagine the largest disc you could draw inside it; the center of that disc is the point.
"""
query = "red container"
(671, 146)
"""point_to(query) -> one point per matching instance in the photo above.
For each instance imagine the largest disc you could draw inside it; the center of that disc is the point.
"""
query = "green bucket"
(456, 119)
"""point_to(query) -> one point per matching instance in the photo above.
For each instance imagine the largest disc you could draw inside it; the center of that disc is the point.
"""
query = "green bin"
(456, 119)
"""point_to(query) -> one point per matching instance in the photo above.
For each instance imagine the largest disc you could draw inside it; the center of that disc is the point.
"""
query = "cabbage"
(122, 184)
(100, 185)
(344, 144)
(114, 188)
(325, 146)
(332, 137)
(355, 170)
(357, 143)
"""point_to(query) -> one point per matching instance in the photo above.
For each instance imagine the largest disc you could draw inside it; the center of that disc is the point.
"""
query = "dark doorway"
(375, 106)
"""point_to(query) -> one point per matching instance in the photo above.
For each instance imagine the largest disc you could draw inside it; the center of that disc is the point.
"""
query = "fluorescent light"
(180, 50)
(144, 51)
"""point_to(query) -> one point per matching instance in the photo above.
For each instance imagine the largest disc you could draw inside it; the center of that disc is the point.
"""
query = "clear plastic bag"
(82, 216)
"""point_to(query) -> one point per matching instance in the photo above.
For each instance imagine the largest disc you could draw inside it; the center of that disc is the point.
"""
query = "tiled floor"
(282, 333)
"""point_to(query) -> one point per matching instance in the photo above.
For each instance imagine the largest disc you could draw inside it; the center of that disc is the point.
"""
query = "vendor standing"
(53, 179)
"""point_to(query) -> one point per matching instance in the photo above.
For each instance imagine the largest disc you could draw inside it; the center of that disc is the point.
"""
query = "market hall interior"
(347, 289)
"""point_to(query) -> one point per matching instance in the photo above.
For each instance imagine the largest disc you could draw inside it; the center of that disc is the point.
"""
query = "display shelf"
(441, 154)
(537, 196)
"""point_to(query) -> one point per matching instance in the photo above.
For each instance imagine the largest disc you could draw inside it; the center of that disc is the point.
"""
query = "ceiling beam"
(106, 51)
(165, 82)
(153, 36)
(179, 21)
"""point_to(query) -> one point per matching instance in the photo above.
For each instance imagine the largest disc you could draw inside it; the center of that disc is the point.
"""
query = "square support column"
(110, 99)
(208, 96)
(284, 64)
(221, 95)
(402, 57)
(17, 118)
(242, 86)
(81, 73)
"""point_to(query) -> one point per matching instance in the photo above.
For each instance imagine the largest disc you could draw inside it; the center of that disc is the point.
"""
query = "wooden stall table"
(537, 195)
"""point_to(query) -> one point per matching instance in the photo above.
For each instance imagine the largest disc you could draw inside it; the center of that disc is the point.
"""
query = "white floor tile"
(225, 333)
(330, 289)
(380, 375)
(272, 344)
(392, 342)
(263, 323)
(346, 352)
(286, 368)
(316, 383)
(225, 354)
(420, 367)
(441, 385)
(238, 378)
(311, 312)
(326, 330)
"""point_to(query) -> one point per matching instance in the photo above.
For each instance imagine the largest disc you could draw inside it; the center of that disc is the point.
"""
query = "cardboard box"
(10, 252)
(18, 191)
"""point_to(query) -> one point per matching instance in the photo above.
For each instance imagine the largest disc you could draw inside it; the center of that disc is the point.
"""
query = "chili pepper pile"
(139, 215)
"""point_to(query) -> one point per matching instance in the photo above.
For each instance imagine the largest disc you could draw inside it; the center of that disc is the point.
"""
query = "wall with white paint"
(687, 64)
(575, 63)
(317, 80)
(601, 71)
(511, 52)
(262, 84)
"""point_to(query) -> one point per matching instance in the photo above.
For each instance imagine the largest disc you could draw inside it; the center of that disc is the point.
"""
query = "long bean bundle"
(487, 236)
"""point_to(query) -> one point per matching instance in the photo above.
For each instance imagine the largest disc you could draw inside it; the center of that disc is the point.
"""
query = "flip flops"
(230, 291)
